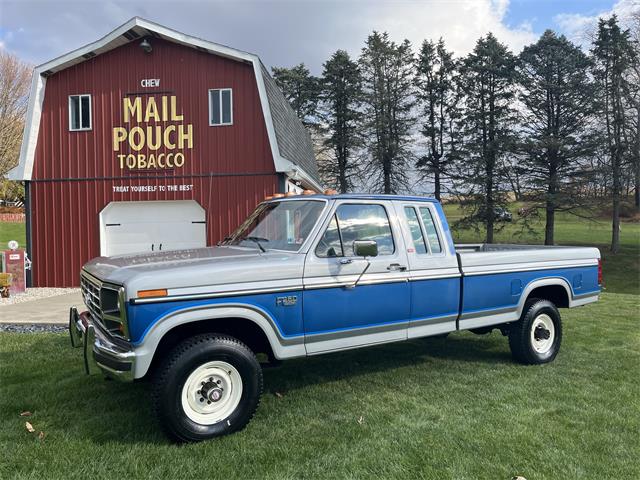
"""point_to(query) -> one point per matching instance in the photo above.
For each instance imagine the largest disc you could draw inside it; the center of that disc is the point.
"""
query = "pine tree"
(388, 98)
(487, 117)
(613, 55)
(301, 89)
(437, 95)
(340, 101)
(557, 95)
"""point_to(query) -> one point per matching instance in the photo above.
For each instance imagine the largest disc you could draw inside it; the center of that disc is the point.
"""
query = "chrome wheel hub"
(212, 392)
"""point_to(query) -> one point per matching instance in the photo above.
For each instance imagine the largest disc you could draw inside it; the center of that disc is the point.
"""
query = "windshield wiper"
(257, 241)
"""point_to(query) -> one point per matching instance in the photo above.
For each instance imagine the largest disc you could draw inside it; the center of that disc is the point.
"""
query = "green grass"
(12, 231)
(454, 408)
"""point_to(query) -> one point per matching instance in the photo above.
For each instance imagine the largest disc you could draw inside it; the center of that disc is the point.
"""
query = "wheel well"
(556, 294)
(242, 329)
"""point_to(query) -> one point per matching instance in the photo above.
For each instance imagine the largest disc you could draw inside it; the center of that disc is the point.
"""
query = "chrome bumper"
(117, 361)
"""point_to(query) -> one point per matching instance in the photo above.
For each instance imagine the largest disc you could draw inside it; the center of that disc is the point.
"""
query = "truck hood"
(202, 270)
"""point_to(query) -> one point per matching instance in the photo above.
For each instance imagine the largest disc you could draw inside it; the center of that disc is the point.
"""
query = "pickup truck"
(308, 275)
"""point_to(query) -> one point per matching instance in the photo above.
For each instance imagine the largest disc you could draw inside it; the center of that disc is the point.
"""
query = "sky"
(285, 33)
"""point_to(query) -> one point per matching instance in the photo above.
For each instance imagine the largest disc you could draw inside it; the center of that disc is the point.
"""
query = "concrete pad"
(50, 310)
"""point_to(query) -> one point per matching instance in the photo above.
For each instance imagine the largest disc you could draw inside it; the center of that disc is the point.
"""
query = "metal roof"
(361, 196)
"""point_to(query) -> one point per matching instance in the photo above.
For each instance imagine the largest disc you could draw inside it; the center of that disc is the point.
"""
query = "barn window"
(220, 107)
(79, 112)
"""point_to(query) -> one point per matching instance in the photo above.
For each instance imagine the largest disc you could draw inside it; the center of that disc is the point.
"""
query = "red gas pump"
(14, 261)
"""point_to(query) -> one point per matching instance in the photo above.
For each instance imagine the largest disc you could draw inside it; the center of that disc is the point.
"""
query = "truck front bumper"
(114, 358)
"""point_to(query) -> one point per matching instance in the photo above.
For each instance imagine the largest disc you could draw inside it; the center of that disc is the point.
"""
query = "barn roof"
(290, 142)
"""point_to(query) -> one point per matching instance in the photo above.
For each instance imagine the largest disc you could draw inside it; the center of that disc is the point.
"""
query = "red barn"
(149, 139)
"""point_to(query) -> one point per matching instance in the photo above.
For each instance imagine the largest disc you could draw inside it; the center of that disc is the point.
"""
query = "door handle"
(396, 267)
(152, 247)
(346, 261)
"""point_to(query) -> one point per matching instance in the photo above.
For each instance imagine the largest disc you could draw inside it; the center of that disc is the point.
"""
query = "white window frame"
(86, 129)
(220, 90)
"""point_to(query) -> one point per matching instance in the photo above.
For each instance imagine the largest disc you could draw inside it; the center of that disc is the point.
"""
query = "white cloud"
(580, 27)
(460, 23)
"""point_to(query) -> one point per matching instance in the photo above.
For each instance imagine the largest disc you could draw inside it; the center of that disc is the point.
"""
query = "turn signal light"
(152, 293)
(278, 195)
(330, 191)
(308, 192)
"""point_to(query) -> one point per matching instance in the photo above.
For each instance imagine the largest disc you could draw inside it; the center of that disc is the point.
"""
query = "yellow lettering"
(119, 135)
(165, 109)
(178, 160)
(132, 108)
(174, 110)
(136, 146)
(182, 136)
(131, 161)
(141, 161)
(154, 145)
(151, 161)
(169, 157)
(152, 110)
(160, 162)
(167, 133)
(121, 157)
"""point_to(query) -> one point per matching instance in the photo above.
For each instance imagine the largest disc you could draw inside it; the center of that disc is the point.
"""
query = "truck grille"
(91, 297)
(104, 305)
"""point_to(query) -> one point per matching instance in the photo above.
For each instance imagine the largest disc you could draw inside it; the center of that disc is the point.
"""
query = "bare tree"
(14, 88)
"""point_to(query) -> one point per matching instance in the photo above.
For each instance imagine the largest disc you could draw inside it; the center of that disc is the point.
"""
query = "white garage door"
(131, 227)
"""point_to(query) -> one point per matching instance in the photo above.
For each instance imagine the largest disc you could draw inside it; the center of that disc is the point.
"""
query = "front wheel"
(208, 386)
(536, 337)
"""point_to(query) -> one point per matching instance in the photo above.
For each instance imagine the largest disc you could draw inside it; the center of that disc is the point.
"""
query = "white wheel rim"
(212, 392)
(542, 327)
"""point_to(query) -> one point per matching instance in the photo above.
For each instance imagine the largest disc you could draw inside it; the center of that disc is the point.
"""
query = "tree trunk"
(615, 223)
(436, 182)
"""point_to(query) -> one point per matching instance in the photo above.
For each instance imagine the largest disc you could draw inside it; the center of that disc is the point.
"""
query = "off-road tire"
(185, 358)
(520, 333)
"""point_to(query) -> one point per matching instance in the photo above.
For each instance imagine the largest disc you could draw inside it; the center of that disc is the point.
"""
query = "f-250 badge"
(289, 301)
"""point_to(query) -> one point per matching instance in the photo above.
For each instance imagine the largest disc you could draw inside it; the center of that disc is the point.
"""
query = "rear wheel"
(537, 336)
(210, 385)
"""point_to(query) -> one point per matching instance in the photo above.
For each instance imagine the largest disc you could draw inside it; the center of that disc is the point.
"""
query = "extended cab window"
(416, 230)
(356, 222)
(430, 227)
(79, 112)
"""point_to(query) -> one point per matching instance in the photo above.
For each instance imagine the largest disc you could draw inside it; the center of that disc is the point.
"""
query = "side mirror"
(365, 248)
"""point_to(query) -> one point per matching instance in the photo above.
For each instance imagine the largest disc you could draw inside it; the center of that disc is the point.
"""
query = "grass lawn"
(12, 231)
(451, 408)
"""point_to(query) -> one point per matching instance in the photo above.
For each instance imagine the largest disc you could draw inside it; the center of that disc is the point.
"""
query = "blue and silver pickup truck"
(308, 275)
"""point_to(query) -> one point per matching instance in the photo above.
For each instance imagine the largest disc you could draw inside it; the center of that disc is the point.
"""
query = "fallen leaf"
(41, 435)
(26, 413)
(29, 427)
(361, 420)
(279, 395)
(518, 477)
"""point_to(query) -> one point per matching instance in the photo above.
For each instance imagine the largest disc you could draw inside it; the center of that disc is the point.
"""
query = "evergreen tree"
(301, 89)
(557, 95)
(613, 55)
(487, 84)
(340, 101)
(388, 98)
(437, 95)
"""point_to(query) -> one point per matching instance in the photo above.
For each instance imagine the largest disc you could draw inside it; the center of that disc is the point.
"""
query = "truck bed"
(495, 258)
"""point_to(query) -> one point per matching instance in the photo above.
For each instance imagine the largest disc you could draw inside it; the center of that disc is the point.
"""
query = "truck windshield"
(278, 225)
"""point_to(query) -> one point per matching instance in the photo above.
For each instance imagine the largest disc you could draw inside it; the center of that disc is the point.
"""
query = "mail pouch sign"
(154, 135)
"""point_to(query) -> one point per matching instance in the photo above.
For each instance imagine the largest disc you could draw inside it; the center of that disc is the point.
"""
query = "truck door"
(434, 277)
(338, 313)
